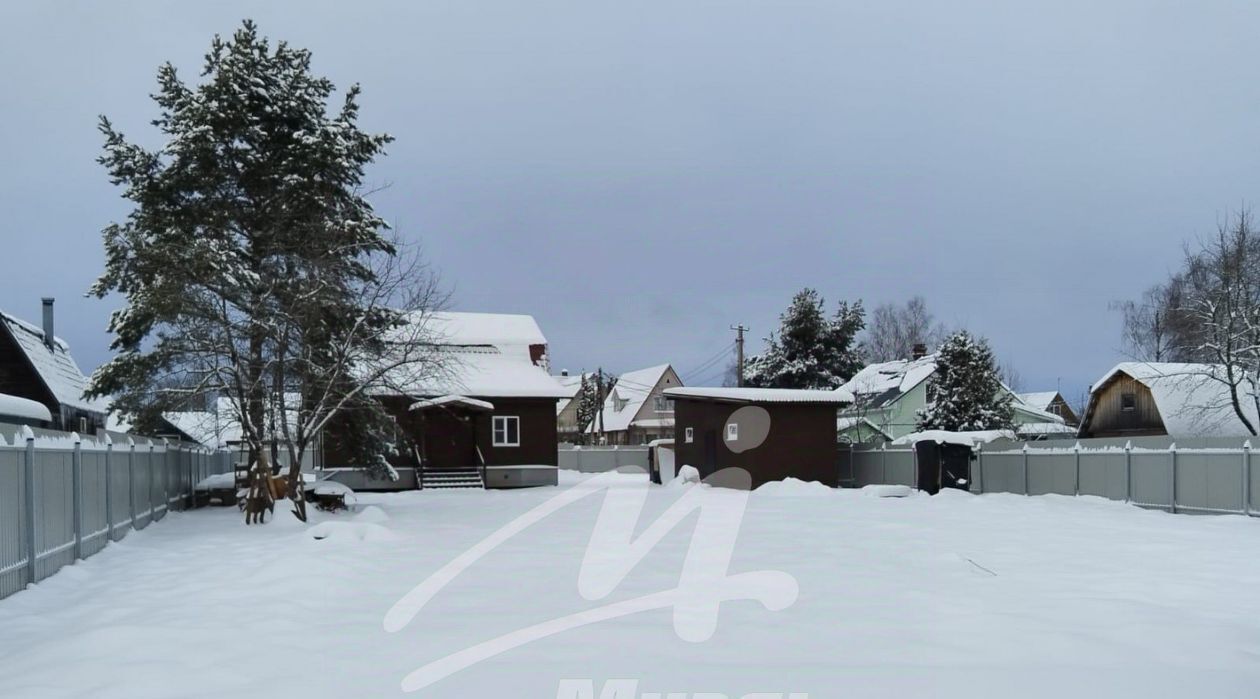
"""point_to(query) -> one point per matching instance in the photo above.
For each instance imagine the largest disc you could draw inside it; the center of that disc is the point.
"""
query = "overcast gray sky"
(639, 176)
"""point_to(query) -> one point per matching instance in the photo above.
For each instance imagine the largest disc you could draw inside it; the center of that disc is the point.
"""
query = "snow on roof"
(967, 439)
(56, 368)
(204, 427)
(846, 423)
(452, 400)
(510, 333)
(653, 422)
(763, 395)
(1190, 401)
(1044, 428)
(16, 406)
(483, 373)
(629, 394)
(877, 385)
(1040, 400)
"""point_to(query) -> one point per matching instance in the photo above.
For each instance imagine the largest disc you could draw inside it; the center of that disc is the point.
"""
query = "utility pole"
(599, 389)
(739, 353)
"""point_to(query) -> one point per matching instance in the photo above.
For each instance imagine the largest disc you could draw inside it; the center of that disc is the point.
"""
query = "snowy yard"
(954, 595)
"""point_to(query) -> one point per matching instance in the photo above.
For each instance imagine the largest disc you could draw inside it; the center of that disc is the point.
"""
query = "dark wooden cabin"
(37, 366)
(772, 434)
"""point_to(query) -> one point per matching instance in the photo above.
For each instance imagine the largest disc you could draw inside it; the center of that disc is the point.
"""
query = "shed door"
(710, 454)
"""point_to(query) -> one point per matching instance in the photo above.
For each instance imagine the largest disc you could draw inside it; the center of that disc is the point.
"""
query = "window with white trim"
(507, 431)
(732, 432)
(689, 434)
(664, 405)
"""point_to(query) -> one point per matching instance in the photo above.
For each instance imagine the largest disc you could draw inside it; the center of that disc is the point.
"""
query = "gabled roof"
(55, 367)
(1040, 400)
(878, 385)
(630, 393)
(571, 384)
(1191, 399)
(763, 395)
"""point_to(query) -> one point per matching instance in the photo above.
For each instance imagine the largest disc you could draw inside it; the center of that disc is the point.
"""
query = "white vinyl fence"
(1207, 476)
(63, 498)
(600, 459)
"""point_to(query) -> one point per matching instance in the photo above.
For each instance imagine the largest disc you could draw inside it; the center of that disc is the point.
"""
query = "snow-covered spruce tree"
(250, 266)
(588, 405)
(809, 350)
(966, 392)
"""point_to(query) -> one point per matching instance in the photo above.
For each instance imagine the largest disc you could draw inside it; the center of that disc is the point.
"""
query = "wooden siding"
(801, 442)
(1105, 416)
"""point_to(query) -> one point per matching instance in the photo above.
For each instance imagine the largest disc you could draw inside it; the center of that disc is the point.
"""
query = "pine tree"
(965, 392)
(588, 405)
(809, 350)
(250, 266)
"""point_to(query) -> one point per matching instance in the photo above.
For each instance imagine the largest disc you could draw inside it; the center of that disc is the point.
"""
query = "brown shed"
(771, 433)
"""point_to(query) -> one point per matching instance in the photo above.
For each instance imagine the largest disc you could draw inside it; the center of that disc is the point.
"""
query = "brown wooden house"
(1051, 402)
(1143, 399)
(770, 433)
(488, 420)
(36, 369)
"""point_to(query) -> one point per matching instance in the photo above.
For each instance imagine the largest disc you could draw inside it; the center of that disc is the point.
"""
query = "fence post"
(883, 463)
(77, 485)
(1172, 484)
(1128, 471)
(1246, 491)
(1076, 479)
(978, 477)
(131, 481)
(31, 552)
(152, 483)
(109, 488)
(1025, 468)
(192, 483)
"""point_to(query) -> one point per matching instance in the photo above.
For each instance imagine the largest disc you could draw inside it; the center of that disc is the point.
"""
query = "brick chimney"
(920, 351)
(48, 322)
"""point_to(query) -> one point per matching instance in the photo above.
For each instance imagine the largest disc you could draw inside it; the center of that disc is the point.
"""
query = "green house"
(890, 395)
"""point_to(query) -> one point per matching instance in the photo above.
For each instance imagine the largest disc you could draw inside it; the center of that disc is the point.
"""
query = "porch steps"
(449, 478)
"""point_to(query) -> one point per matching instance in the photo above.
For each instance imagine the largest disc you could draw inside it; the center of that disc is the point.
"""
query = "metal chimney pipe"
(48, 322)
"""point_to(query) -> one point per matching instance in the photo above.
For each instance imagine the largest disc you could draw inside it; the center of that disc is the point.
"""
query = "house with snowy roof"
(1142, 399)
(219, 428)
(486, 419)
(40, 383)
(567, 424)
(889, 395)
(1051, 402)
(636, 409)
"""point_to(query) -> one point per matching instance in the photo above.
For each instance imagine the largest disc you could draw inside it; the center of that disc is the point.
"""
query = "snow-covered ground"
(954, 595)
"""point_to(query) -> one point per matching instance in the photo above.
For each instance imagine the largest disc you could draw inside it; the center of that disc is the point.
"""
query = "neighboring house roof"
(627, 396)
(219, 427)
(571, 384)
(878, 385)
(1190, 401)
(1040, 400)
(55, 367)
(763, 395)
(848, 423)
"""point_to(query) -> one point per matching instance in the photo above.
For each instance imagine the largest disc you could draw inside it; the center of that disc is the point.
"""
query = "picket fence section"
(63, 498)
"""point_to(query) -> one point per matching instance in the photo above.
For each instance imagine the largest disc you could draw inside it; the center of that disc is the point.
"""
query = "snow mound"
(954, 493)
(335, 488)
(887, 491)
(372, 514)
(351, 531)
(794, 488)
(219, 481)
(687, 475)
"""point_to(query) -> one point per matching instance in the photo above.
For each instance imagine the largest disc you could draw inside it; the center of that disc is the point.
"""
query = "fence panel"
(1151, 472)
(141, 507)
(900, 468)
(868, 468)
(95, 528)
(1210, 481)
(120, 490)
(54, 511)
(1003, 472)
(13, 570)
(1051, 472)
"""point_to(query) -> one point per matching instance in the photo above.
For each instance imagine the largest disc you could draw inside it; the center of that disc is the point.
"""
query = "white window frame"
(495, 430)
(689, 435)
(732, 432)
(663, 404)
